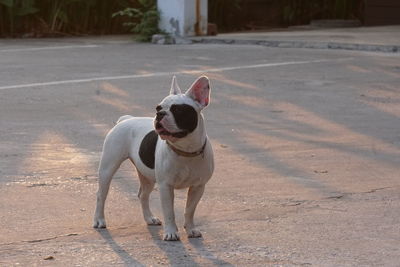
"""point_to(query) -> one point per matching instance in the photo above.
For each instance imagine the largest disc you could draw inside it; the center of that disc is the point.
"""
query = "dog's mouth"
(164, 132)
(161, 130)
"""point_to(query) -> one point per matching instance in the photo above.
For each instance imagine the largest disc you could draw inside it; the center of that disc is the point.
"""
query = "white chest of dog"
(171, 149)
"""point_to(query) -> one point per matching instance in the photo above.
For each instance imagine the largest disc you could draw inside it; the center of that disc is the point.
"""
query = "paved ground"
(382, 39)
(307, 151)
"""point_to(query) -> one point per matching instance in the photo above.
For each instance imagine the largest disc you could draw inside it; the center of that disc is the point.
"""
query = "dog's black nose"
(160, 115)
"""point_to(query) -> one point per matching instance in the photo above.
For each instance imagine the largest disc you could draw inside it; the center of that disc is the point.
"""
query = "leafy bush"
(12, 11)
(49, 17)
(143, 20)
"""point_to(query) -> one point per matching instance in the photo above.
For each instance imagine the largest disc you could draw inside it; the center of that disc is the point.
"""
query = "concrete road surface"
(307, 146)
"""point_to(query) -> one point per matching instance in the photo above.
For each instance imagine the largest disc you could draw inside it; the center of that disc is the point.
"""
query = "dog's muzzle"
(162, 131)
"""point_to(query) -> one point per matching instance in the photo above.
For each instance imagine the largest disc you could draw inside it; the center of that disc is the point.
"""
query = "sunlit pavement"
(307, 151)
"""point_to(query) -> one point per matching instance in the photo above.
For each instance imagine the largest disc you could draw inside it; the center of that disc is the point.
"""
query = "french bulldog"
(171, 149)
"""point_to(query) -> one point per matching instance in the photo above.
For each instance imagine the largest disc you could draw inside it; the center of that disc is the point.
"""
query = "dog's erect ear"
(174, 87)
(200, 91)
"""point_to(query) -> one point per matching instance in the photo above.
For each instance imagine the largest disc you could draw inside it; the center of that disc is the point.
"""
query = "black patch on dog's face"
(148, 148)
(185, 117)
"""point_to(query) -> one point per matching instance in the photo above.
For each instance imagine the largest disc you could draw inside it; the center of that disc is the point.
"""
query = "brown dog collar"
(188, 154)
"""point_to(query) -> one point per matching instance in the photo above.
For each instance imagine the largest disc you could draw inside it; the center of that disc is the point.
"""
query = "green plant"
(79, 16)
(144, 19)
(14, 10)
(49, 17)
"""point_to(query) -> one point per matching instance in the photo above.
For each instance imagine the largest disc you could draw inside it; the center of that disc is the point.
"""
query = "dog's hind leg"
(111, 159)
(146, 187)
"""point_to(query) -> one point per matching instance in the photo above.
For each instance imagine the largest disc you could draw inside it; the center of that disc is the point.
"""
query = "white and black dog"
(171, 149)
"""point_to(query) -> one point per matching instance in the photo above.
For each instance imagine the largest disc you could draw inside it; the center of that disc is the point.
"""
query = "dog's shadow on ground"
(122, 253)
(174, 250)
(203, 252)
(178, 254)
(193, 254)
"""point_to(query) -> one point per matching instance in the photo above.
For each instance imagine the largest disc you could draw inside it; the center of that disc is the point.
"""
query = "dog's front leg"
(193, 198)
(167, 204)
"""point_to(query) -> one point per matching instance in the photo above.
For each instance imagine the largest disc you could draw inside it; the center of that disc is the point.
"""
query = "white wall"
(178, 17)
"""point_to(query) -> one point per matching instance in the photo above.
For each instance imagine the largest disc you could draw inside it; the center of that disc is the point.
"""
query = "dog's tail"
(123, 118)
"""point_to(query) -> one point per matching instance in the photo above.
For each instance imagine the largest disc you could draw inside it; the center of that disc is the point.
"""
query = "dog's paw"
(172, 236)
(153, 221)
(99, 223)
(193, 233)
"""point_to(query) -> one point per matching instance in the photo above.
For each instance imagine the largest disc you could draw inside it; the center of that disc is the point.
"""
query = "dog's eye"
(158, 108)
